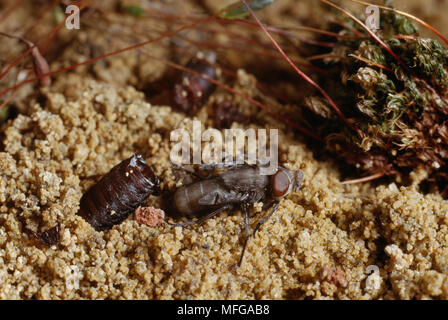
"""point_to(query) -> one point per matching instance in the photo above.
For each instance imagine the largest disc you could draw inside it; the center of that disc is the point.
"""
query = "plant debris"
(149, 216)
(50, 237)
(400, 111)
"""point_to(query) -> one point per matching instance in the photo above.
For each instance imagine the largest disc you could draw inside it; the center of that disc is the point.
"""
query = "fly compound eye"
(280, 184)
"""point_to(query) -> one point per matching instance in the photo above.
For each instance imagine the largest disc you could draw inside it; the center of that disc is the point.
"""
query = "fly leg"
(246, 220)
(260, 223)
(201, 220)
(264, 208)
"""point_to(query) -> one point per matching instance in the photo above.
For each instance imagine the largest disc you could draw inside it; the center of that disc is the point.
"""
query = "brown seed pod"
(50, 237)
(192, 91)
(118, 193)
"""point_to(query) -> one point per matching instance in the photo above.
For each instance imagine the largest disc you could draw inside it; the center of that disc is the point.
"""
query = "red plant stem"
(284, 31)
(8, 100)
(173, 20)
(325, 32)
(260, 86)
(322, 56)
(39, 62)
(237, 48)
(300, 72)
(405, 37)
(242, 95)
(365, 179)
(59, 27)
(250, 51)
(370, 62)
(224, 70)
(10, 10)
(41, 14)
(138, 45)
(21, 57)
(381, 42)
(273, 29)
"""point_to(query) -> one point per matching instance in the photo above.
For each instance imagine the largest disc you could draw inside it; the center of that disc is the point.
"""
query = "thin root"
(365, 179)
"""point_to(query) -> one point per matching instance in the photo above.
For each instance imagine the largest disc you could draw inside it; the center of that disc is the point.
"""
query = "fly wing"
(216, 169)
(221, 197)
(204, 171)
(213, 198)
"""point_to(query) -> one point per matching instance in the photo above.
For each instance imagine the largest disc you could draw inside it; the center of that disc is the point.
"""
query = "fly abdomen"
(195, 198)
